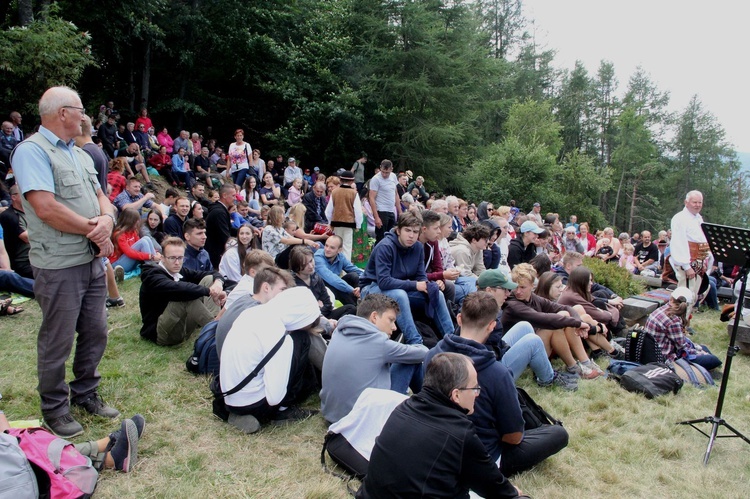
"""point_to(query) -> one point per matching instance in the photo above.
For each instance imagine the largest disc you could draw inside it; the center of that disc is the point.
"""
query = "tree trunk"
(43, 9)
(632, 206)
(617, 198)
(146, 77)
(25, 12)
(131, 83)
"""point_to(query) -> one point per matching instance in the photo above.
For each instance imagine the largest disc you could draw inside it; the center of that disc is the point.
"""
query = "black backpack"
(205, 358)
(533, 414)
(652, 380)
(641, 347)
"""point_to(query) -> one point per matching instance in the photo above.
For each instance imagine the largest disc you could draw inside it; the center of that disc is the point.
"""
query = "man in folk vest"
(344, 210)
(70, 221)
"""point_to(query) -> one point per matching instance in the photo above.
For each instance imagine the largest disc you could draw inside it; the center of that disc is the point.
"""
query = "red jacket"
(434, 267)
(124, 245)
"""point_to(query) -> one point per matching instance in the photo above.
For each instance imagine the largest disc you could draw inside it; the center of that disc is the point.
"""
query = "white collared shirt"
(686, 227)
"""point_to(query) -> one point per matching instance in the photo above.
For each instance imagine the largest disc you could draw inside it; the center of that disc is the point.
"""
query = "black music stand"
(731, 246)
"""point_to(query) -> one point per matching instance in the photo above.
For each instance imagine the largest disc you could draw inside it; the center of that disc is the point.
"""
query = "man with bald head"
(16, 118)
(70, 223)
(689, 252)
(646, 254)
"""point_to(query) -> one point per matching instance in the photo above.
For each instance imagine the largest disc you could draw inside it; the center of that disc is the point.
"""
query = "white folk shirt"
(686, 227)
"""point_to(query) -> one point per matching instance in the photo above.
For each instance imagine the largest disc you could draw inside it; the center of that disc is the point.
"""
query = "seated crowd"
(266, 250)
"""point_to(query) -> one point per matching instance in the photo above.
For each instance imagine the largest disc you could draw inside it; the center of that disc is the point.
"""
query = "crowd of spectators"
(270, 250)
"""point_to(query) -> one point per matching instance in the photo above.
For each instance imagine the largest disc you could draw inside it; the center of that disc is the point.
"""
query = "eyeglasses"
(475, 389)
(82, 109)
(174, 259)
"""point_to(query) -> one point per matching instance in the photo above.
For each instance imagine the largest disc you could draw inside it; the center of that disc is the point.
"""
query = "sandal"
(7, 309)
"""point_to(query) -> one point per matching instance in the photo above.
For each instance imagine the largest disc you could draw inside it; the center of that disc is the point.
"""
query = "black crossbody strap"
(257, 369)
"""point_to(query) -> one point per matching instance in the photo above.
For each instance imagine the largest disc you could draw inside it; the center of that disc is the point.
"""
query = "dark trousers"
(537, 445)
(72, 300)
(352, 279)
(301, 382)
(389, 221)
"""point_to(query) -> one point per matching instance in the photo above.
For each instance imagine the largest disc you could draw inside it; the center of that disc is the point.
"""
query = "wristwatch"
(114, 220)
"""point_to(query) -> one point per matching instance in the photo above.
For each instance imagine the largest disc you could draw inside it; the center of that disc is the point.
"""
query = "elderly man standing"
(70, 223)
(689, 251)
(535, 215)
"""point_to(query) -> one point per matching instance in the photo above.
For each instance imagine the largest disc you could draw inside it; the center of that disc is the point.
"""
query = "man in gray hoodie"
(360, 353)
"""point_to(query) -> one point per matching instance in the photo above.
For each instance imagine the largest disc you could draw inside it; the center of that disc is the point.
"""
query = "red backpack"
(65, 472)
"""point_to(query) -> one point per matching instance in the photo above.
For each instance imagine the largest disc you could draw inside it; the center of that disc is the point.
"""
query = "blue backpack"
(205, 358)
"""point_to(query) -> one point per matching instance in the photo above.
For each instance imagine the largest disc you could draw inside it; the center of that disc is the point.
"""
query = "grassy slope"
(621, 445)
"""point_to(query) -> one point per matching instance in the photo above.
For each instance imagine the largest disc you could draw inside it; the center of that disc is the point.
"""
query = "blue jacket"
(330, 271)
(496, 410)
(197, 260)
(393, 266)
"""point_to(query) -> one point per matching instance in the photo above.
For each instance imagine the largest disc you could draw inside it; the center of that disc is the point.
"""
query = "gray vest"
(51, 248)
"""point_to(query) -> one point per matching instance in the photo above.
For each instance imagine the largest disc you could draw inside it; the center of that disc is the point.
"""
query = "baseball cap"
(683, 293)
(495, 278)
(316, 169)
(307, 170)
(291, 160)
(537, 204)
(531, 226)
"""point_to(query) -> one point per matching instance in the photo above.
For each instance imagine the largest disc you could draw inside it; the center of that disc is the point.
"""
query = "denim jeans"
(526, 349)
(402, 375)
(10, 281)
(145, 245)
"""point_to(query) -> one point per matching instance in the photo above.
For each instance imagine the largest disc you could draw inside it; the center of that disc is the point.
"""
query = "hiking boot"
(246, 424)
(96, 406)
(115, 302)
(119, 273)
(124, 446)
(291, 415)
(64, 426)
(568, 383)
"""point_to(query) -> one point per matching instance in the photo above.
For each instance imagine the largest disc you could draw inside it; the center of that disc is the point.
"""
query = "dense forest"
(457, 91)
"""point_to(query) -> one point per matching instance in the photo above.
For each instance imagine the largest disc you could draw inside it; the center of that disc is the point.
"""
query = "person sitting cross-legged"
(360, 353)
(396, 269)
(266, 282)
(497, 413)
(287, 379)
(175, 301)
(339, 273)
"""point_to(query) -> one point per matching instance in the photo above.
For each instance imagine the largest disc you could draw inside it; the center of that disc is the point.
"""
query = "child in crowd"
(130, 248)
(295, 193)
(605, 251)
(627, 259)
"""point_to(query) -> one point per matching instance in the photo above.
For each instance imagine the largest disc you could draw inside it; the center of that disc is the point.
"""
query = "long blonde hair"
(297, 213)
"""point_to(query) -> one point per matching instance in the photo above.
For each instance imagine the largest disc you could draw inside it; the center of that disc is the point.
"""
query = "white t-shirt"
(385, 198)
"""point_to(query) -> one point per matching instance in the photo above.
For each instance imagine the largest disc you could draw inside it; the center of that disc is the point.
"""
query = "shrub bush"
(616, 278)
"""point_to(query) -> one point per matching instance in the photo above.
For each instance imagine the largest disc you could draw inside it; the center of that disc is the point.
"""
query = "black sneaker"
(96, 406)
(124, 446)
(140, 424)
(115, 302)
(64, 426)
(291, 415)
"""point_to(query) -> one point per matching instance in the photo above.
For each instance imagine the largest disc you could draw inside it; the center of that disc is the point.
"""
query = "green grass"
(621, 445)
